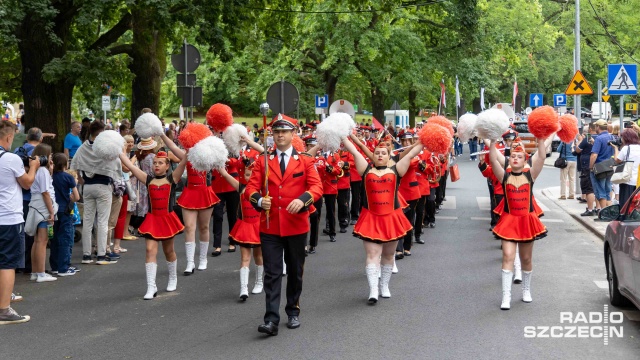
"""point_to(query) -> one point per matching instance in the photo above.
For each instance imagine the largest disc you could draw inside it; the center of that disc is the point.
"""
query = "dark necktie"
(282, 166)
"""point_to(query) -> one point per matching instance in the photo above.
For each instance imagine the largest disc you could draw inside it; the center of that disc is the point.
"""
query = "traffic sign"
(106, 103)
(559, 100)
(632, 106)
(605, 98)
(190, 95)
(578, 85)
(535, 100)
(322, 101)
(623, 79)
(283, 97)
(188, 60)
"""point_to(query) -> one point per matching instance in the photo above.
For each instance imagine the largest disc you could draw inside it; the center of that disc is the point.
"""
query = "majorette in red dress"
(246, 231)
(197, 194)
(381, 219)
(161, 223)
(518, 220)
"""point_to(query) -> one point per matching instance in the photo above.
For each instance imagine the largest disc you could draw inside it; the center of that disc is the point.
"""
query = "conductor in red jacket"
(293, 186)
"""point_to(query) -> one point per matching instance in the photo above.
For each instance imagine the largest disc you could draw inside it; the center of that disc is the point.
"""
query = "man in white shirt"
(12, 178)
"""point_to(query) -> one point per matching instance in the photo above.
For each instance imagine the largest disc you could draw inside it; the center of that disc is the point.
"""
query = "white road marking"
(552, 220)
(484, 202)
(450, 204)
(481, 218)
(602, 284)
(438, 217)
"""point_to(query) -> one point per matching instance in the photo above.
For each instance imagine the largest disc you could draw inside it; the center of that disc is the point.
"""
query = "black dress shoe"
(432, 225)
(343, 230)
(216, 253)
(231, 249)
(353, 222)
(293, 322)
(399, 256)
(312, 250)
(269, 328)
(332, 238)
(419, 241)
(326, 231)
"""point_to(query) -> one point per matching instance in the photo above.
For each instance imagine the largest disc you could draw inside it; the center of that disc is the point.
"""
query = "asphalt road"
(445, 301)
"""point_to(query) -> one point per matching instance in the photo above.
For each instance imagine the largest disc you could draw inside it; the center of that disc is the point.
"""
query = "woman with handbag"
(567, 163)
(629, 157)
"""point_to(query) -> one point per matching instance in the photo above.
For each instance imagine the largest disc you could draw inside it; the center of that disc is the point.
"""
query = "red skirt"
(381, 229)
(246, 234)
(161, 227)
(522, 228)
(197, 198)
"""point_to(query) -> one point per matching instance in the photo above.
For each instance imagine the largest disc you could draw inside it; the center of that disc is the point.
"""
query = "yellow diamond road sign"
(632, 107)
(578, 85)
(605, 98)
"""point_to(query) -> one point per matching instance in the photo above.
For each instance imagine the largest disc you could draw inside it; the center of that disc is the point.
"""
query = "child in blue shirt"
(63, 229)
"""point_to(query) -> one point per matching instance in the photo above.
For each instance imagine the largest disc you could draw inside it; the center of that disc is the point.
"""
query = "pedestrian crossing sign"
(578, 85)
(623, 79)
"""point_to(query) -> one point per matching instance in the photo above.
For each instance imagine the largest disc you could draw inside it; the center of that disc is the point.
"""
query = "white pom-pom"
(331, 131)
(108, 145)
(466, 126)
(233, 138)
(491, 124)
(208, 154)
(148, 125)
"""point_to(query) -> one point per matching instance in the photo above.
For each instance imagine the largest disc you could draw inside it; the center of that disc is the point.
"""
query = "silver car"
(622, 251)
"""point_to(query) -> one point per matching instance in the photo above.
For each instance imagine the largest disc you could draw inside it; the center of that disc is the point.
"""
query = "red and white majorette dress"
(518, 220)
(381, 219)
(161, 223)
(246, 231)
(197, 194)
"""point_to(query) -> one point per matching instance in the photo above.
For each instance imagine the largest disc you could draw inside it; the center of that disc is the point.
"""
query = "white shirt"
(11, 168)
(634, 155)
(43, 183)
(287, 156)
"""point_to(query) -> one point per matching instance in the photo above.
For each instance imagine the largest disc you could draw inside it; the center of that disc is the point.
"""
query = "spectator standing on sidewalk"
(584, 151)
(566, 152)
(12, 178)
(630, 152)
(600, 152)
(72, 141)
(66, 194)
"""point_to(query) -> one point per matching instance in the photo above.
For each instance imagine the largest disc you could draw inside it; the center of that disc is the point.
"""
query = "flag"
(457, 92)
(443, 98)
(515, 93)
(376, 123)
(482, 98)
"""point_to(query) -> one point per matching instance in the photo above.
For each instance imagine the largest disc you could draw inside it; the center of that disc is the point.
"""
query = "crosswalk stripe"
(481, 218)
(484, 202)
(552, 220)
(450, 204)
(602, 284)
(438, 217)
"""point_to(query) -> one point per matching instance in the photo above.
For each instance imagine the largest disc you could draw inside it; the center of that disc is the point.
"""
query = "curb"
(582, 220)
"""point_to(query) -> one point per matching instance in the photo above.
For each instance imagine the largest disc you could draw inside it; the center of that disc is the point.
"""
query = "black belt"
(414, 183)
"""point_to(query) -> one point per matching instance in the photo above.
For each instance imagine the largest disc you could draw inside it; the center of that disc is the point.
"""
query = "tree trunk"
(413, 108)
(46, 105)
(331, 82)
(377, 103)
(149, 53)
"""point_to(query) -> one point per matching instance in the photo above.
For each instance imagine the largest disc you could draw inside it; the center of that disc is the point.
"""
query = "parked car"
(584, 112)
(528, 140)
(622, 251)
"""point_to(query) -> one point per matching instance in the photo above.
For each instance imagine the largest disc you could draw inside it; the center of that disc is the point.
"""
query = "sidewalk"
(574, 209)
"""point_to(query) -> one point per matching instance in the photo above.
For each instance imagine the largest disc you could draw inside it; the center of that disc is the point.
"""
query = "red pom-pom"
(442, 121)
(543, 122)
(192, 134)
(435, 138)
(568, 128)
(219, 117)
(298, 144)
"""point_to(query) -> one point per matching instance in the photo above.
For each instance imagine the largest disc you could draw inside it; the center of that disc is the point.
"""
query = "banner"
(482, 98)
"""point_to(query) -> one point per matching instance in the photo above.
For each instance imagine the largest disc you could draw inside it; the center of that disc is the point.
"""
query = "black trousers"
(330, 203)
(496, 199)
(356, 193)
(420, 210)
(494, 219)
(410, 213)
(272, 248)
(430, 215)
(441, 192)
(343, 208)
(28, 240)
(314, 221)
(232, 200)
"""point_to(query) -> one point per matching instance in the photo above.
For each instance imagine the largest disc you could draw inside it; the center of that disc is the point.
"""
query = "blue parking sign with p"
(559, 100)
(322, 101)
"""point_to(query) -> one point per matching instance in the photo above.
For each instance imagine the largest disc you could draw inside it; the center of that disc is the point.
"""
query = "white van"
(606, 111)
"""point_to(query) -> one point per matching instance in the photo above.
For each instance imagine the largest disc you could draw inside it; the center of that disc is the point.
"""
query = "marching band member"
(293, 185)
(314, 218)
(344, 188)
(410, 191)
(229, 200)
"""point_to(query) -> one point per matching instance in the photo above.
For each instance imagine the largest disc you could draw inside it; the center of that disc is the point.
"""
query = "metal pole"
(621, 113)
(599, 100)
(282, 96)
(186, 73)
(577, 101)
